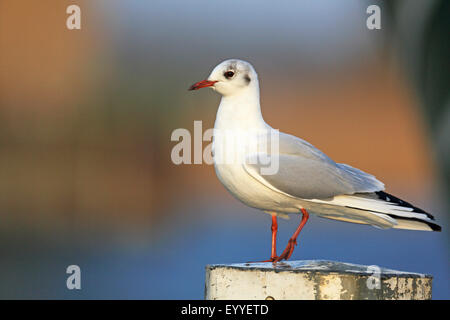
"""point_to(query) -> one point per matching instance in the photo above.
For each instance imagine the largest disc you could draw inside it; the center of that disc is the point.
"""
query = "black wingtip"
(435, 227)
(393, 199)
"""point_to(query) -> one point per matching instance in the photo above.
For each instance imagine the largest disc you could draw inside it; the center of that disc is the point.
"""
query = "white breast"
(236, 132)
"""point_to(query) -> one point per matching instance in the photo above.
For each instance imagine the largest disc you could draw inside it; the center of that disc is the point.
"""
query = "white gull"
(305, 179)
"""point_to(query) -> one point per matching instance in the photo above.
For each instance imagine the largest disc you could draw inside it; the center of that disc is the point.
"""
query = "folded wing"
(307, 173)
(336, 191)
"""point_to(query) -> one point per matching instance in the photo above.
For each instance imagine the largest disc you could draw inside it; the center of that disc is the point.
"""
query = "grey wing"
(307, 173)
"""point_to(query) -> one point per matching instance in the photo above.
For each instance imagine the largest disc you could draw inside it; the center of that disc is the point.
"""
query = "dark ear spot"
(247, 78)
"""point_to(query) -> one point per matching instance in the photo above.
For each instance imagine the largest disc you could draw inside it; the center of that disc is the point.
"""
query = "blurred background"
(86, 117)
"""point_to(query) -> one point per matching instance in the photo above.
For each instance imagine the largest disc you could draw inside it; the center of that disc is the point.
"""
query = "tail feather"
(392, 199)
(405, 214)
(416, 224)
(412, 223)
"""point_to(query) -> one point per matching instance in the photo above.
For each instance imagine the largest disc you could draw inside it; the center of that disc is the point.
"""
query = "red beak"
(202, 84)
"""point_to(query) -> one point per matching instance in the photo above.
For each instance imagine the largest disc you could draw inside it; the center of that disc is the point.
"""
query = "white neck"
(241, 111)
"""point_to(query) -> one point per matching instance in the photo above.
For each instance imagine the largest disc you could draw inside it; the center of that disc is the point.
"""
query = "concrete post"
(313, 280)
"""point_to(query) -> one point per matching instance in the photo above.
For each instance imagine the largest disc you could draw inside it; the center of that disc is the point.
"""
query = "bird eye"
(228, 74)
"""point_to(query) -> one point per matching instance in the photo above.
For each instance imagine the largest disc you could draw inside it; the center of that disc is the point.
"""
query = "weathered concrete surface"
(313, 280)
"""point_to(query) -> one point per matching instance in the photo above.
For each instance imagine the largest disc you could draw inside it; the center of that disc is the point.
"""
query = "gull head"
(231, 77)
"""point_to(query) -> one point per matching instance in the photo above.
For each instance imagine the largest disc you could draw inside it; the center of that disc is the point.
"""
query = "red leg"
(293, 240)
(274, 228)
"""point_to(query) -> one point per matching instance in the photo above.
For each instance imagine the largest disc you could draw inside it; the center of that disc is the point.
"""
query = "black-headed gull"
(305, 179)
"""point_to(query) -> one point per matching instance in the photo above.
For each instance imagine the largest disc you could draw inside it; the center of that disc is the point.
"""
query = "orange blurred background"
(86, 115)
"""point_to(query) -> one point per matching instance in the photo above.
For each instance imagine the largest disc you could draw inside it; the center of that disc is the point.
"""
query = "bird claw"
(262, 261)
(288, 251)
